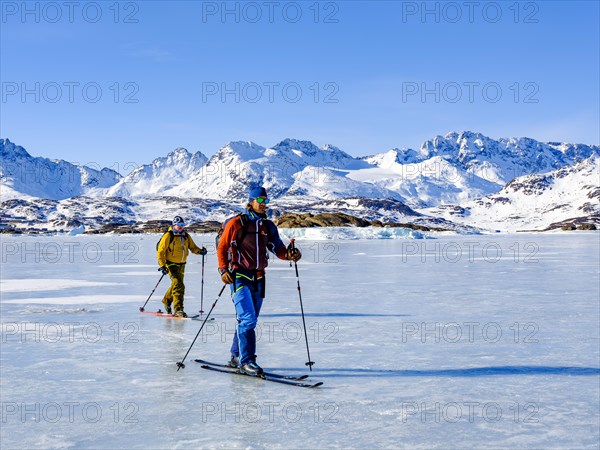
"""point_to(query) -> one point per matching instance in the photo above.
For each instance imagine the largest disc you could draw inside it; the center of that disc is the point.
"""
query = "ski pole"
(142, 307)
(202, 289)
(180, 364)
(309, 363)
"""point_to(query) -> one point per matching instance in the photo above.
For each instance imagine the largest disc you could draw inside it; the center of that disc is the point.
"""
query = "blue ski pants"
(247, 298)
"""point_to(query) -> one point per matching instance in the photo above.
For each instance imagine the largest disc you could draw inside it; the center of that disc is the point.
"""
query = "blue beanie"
(256, 192)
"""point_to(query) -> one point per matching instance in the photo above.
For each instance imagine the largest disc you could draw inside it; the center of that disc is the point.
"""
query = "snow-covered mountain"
(158, 177)
(25, 176)
(436, 180)
(506, 158)
(566, 195)
(460, 167)
(450, 178)
(281, 169)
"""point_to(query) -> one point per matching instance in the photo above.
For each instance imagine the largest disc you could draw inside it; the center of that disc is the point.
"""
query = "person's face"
(178, 228)
(260, 204)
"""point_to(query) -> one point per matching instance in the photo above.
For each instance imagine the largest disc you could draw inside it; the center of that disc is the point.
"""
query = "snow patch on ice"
(58, 311)
(49, 284)
(127, 266)
(78, 300)
(135, 273)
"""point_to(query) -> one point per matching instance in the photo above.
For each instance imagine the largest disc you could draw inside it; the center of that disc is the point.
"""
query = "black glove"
(203, 251)
(226, 276)
(164, 270)
(293, 254)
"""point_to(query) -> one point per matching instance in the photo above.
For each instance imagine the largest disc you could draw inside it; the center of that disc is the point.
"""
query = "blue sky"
(115, 83)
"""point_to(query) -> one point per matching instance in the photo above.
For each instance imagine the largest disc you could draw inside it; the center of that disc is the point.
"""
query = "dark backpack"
(242, 233)
(171, 237)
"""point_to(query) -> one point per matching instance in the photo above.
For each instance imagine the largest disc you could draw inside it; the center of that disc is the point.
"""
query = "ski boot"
(251, 368)
(233, 362)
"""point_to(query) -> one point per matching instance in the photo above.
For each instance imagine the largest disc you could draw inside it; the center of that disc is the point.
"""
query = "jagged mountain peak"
(385, 159)
(454, 143)
(180, 157)
(240, 146)
(302, 153)
(162, 174)
(242, 150)
(330, 148)
(336, 153)
(306, 147)
(179, 152)
(9, 150)
(466, 136)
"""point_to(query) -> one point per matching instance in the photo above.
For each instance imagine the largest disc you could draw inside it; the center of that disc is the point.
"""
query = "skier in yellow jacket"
(172, 253)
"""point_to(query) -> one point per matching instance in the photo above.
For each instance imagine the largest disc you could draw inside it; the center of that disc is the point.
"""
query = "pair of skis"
(290, 380)
(159, 313)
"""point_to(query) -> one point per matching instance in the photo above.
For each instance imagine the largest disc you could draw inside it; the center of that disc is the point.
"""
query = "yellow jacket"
(177, 250)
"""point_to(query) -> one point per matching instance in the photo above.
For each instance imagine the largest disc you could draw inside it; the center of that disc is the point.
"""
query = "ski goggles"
(262, 200)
